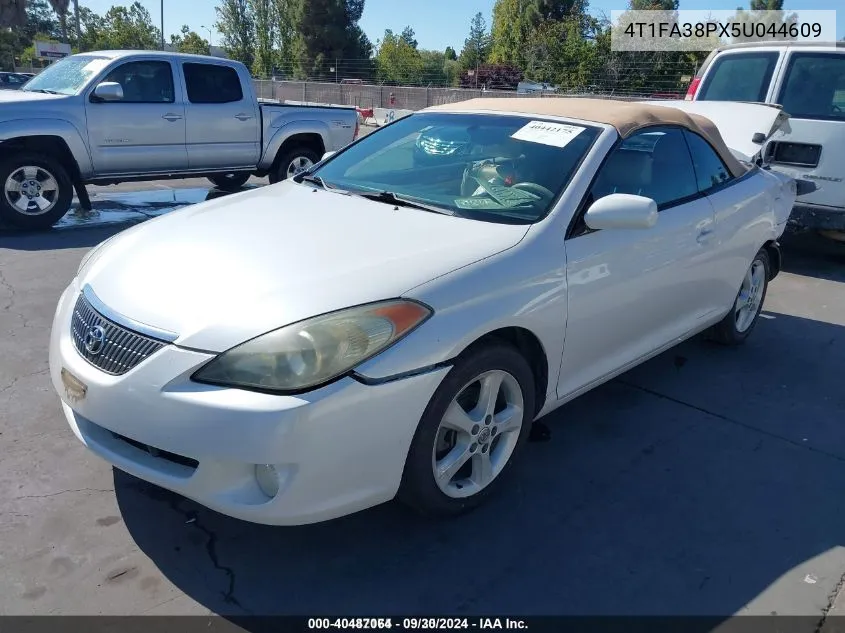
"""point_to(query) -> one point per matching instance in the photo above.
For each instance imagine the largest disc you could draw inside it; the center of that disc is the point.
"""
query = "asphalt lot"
(707, 481)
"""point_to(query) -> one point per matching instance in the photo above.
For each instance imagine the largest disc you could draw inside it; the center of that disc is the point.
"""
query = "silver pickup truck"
(114, 116)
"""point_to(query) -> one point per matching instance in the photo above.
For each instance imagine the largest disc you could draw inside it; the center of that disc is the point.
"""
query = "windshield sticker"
(556, 134)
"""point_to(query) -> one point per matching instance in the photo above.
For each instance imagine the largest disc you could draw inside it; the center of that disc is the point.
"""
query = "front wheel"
(740, 321)
(472, 430)
(229, 182)
(37, 190)
(293, 162)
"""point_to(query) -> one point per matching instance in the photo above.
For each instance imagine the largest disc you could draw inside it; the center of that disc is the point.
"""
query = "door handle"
(171, 117)
(704, 235)
(243, 117)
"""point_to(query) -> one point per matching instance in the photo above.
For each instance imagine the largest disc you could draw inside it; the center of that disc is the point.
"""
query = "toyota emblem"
(95, 340)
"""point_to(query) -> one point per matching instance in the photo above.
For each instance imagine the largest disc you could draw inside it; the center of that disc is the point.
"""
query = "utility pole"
(162, 24)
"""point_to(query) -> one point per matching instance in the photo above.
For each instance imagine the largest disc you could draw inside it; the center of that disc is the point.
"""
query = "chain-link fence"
(415, 97)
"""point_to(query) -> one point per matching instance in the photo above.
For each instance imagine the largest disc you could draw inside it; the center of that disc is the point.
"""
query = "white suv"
(808, 81)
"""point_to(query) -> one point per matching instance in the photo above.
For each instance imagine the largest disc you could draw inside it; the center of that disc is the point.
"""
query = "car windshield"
(67, 76)
(499, 168)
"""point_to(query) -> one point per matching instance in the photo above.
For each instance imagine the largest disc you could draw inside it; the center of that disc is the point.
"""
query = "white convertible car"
(391, 322)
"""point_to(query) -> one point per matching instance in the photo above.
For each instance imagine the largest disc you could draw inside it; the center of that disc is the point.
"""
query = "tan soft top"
(626, 116)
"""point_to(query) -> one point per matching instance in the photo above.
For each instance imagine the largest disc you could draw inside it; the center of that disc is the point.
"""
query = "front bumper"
(336, 450)
(817, 218)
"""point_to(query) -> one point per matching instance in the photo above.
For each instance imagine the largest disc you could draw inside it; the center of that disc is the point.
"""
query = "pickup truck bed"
(113, 116)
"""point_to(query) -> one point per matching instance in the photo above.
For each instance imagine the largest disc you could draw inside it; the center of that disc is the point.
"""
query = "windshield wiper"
(388, 197)
(312, 179)
(44, 90)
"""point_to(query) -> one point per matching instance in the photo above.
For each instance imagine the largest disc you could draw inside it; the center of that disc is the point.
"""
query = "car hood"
(221, 272)
(25, 96)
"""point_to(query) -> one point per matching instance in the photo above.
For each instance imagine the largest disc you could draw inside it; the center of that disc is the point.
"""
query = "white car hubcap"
(299, 165)
(478, 434)
(750, 296)
(31, 190)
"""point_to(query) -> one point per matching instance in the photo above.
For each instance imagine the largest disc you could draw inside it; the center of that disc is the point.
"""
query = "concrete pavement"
(707, 481)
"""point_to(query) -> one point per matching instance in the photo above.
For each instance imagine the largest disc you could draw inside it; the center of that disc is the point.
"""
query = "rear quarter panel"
(749, 213)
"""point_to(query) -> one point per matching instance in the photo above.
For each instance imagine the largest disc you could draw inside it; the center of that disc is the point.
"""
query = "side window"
(144, 82)
(710, 170)
(739, 77)
(654, 163)
(814, 86)
(210, 83)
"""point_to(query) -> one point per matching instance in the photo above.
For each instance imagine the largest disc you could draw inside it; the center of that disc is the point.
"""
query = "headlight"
(310, 353)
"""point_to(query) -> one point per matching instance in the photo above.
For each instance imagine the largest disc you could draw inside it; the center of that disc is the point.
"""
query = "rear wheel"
(37, 191)
(294, 162)
(473, 428)
(231, 181)
(740, 321)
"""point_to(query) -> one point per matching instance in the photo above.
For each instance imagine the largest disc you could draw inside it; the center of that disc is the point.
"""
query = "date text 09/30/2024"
(414, 624)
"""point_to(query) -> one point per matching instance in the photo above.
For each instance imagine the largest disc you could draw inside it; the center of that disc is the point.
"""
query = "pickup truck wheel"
(737, 325)
(229, 182)
(37, 191)
(293, 162)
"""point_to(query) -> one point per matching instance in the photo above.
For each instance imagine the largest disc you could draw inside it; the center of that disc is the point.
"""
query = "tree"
(477, 45)
(450, 53)
(432, 68)
(771, 15)
(40, 18)
(408, 37)
(190, 42)
(286, 33)
(12, 13)
(60, 8)
(264, 19)
(235, 23)
(513, 23)
(91, 28)
(397, 61)
(126, 28)
(328, 31)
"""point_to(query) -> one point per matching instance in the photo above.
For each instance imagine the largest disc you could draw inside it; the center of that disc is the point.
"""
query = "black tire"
(230, 182)
(418, 489)
(726, 332)
(280, 169)
(12, 216)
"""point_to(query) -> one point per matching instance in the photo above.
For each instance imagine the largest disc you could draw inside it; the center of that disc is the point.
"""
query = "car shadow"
(687, 486)
(813, 255)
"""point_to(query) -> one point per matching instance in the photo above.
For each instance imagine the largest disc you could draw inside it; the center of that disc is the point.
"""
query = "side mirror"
(109, 91)
(327, 155)
(622, 211)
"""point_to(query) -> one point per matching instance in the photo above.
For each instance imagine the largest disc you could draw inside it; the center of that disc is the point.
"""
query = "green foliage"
(264, 18)
(450, 53)
(397, 61)
(124, 28)
(477, 46)
(190, 42)
(236, 24)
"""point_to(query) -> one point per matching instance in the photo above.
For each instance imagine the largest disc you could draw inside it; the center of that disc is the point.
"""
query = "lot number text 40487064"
(416, 623)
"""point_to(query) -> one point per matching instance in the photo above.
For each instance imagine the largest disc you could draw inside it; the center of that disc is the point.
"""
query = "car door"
(632, 292)
(812, 91)
(223, 130)
(144, 132)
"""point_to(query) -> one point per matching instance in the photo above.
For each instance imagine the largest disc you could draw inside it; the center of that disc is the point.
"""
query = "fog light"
(268, 479)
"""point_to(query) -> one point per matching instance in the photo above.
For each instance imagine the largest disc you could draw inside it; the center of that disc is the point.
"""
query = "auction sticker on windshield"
(556, 134)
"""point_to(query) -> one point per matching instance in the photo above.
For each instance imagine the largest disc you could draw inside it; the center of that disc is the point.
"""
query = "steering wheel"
(533, 187)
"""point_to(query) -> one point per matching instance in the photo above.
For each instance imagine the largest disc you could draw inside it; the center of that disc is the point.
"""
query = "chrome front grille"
(107, 345)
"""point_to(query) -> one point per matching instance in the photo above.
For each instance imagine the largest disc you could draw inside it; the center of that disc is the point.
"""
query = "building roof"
(627, 117)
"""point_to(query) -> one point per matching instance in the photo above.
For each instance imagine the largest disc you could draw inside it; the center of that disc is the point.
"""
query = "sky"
(437, 23)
